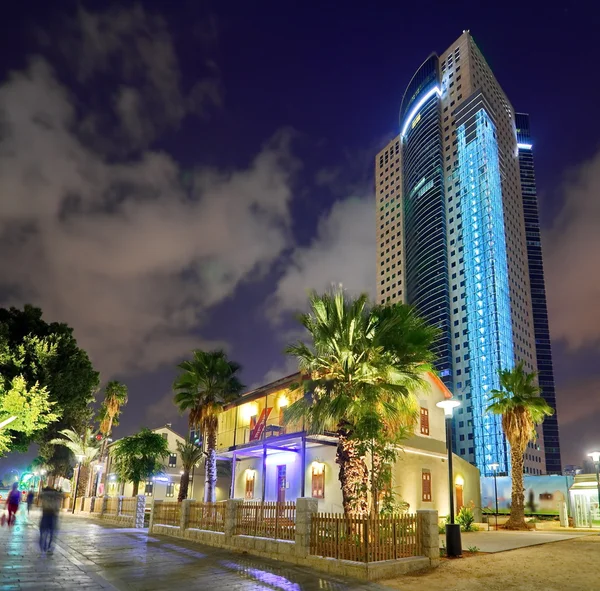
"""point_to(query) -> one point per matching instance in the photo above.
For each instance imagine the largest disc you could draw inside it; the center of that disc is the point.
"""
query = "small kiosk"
(584, 501)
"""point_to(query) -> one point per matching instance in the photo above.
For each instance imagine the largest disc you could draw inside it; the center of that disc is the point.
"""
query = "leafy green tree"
(190, 454)
(362, 366)
(84, 449)
(204, 387)
(522, 408)
(28, 409)
(139, 457)
(47, 354)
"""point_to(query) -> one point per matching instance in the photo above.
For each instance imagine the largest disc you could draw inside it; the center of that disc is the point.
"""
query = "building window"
(426, 486)
(172, 460)
(424, 421)
(318, 480)
(165, 436)
(149, 489)
(250, 476)
(170, 490)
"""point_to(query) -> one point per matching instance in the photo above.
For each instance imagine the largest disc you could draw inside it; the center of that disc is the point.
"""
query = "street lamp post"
(453, 541)
(495, 467)
(595, 455)
(79, 461)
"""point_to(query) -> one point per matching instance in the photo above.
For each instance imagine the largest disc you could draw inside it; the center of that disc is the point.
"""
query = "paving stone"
(94, 556)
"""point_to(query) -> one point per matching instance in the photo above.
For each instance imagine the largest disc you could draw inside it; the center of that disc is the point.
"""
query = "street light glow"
(494, 466)
(595, 455)
(448, 405)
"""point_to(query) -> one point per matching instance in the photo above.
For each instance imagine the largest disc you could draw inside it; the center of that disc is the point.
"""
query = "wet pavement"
(93, 556)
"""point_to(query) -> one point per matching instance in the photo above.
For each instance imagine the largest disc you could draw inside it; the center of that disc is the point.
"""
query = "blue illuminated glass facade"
(538, 293)
(425, 248)
(488, 315)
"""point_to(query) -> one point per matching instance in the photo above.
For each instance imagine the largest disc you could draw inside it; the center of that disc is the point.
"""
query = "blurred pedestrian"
(12, 503)
(50, 501)
(30, 497)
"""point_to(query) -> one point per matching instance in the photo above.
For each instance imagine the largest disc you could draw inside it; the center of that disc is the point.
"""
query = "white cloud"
(572, 252)
(288, 366)
(123, 251)
(127, 56)
(343, 252)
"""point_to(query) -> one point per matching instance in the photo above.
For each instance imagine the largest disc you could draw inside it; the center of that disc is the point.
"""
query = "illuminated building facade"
(277, 461)
(454, 228)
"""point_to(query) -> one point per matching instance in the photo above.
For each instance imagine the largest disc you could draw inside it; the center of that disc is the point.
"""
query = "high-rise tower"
(452, 237)
(538, 291)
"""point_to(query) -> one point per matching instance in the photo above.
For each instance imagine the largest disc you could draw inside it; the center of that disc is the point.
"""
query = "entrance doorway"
(459, 497)
(582, 511)
(281, 484)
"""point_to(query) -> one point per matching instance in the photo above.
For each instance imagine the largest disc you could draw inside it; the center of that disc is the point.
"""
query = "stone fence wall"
(123, 511)
(297, 551)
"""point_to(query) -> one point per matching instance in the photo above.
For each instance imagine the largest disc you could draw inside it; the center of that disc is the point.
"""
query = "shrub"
(466, 519)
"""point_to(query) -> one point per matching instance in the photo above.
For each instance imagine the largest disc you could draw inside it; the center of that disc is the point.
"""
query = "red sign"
(257, 431)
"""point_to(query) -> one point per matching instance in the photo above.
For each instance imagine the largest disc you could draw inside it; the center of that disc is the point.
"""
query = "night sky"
(177, 174)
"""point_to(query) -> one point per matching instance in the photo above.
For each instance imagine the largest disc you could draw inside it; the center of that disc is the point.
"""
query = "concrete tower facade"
(459, 237)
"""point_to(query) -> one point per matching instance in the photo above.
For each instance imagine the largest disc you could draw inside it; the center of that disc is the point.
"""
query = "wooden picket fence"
(112, 506)
(267, 520)
(208, 516)
(167, 514)
(364, 539)
(129, 506)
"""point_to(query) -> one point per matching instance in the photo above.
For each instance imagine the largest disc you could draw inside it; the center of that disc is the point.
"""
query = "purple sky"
(177, 175)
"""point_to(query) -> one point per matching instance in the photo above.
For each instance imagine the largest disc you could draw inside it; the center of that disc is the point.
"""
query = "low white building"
(166, 486)
(275, 461)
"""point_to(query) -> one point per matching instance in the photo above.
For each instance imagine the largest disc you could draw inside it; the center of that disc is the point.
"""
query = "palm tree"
(190, 454)
(522, 408)
(85, 449)
(115, 396)
(204, 387)
(363, 366)
(138, 457)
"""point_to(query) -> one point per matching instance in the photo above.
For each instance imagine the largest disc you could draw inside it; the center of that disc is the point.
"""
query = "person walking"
(12, 503)
(50, 501)
(30, 497)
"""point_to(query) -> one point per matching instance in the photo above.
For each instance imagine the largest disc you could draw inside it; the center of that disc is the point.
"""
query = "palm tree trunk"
(103, 475)
(353, 475)
(376, 465)
(105, 440)
(136, 488)
(210, 466)
(183, 486)
(517, 508)
(84, 471)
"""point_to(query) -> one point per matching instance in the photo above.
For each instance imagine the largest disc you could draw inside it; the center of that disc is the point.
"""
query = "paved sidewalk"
(503, 540)
(94, 556)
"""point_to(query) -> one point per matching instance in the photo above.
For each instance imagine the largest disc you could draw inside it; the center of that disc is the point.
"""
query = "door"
(459, 497)
(582, 511)
(281, 484)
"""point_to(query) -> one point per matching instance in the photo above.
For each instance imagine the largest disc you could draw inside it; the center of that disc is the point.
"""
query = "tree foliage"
(47, 354)
(205, 385)
(84, 448)
(522, 408)
(139, 457)
(31, 407)
(115, 397)
(190, 454)
(362, 366)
